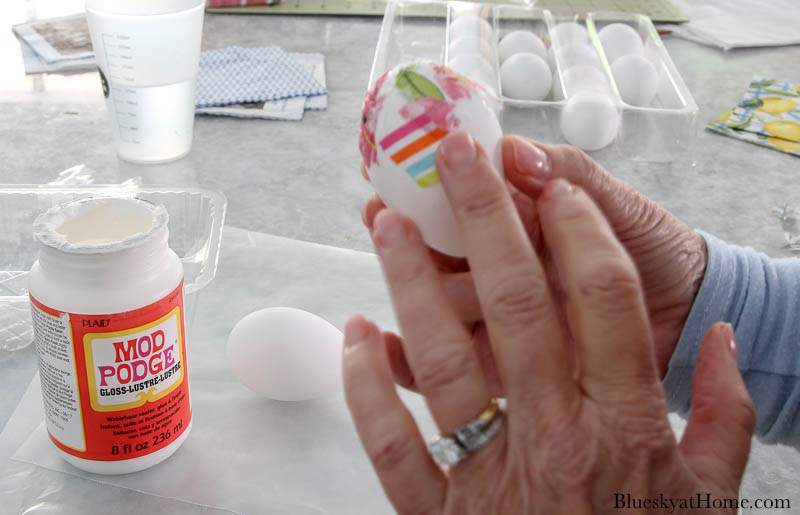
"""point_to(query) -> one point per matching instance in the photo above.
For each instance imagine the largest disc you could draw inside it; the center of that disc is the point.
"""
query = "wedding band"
(448, 450)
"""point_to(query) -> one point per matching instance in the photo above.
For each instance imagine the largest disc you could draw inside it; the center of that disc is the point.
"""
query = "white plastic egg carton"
(662, 130)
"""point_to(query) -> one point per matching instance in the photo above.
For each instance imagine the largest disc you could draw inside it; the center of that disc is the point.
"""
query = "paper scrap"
(64, 38)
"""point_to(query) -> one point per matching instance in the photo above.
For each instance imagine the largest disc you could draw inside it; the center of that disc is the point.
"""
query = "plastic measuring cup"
(147, 53)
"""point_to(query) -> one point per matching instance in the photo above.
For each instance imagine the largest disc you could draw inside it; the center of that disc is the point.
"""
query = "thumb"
(716, 443)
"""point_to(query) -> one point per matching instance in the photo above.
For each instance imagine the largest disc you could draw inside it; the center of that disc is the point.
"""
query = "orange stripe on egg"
(418, 145)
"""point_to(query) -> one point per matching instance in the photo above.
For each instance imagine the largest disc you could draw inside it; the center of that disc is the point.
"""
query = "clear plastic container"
(663, 130)
(196, 218)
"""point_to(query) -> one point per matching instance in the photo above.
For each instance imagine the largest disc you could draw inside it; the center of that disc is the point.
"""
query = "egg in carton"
(405, 117)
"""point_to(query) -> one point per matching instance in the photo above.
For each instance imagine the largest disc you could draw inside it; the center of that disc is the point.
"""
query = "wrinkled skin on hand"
(669, 256)
(573, 346)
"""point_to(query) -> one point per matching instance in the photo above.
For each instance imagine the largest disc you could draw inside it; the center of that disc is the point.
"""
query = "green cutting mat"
(657, 10)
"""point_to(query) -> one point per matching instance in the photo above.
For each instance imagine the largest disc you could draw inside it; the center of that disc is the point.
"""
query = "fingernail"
(530, 159)
(355, 332)
(459, 152)
(557, 188)
(370, 209)
(727, 331)
(364, 215)
(390, 232)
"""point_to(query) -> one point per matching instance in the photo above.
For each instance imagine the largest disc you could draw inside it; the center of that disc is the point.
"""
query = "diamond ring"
(448, 450)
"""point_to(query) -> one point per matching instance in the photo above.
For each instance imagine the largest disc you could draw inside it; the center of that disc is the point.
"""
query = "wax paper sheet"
(246, 454)
(728, 25)
(251, 455)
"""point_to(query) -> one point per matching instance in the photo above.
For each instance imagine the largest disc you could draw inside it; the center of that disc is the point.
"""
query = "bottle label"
(114, 386)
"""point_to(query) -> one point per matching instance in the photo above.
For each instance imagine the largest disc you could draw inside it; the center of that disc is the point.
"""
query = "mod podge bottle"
(107, 304)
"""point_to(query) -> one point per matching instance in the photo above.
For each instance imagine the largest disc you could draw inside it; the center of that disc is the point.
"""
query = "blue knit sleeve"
(760, 297)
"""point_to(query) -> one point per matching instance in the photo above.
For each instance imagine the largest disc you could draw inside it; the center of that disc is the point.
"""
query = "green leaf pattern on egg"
(416, 85)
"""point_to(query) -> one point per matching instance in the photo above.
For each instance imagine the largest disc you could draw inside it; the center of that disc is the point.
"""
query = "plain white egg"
(653, 54)
(581, 77)
(590, 120)
(569, 33)
(470, 25)
(286, 354)
(525, 77)
(420, 103)
(476, 68)
(637, 80)
(619, 39)
(573, 55)
(520, 41)
(466, 45)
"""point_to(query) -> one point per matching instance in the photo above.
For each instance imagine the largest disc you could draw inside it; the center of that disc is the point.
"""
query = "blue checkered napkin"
(234, 75)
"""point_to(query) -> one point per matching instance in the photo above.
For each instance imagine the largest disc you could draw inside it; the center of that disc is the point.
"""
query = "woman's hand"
(586, 417)
(669, 256)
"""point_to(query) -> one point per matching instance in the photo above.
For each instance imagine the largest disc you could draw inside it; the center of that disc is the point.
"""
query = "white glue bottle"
(107, 303)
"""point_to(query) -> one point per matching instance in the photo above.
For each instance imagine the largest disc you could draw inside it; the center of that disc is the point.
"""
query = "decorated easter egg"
(405, 116)
(475, 67)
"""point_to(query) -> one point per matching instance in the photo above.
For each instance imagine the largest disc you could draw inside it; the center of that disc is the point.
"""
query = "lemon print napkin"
(768, 115)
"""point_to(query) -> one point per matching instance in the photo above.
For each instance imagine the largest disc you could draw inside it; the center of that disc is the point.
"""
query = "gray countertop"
(301, 180)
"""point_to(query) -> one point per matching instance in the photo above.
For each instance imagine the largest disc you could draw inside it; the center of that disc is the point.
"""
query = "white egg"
(470, 25)
(582, 77)
(569, 33)
(521, 41)
(286, 354)
(476, 68)
(590, 120)
(412, 108)
(652, 53)
(636, 79)
(574, 55)
(466, 45)
(525, 77)
(619, 39)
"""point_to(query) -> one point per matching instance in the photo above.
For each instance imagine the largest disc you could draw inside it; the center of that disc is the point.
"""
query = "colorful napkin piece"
(236, 75)
(767, 115)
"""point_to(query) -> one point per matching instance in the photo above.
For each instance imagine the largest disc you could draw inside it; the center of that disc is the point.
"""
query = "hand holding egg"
(406, 114)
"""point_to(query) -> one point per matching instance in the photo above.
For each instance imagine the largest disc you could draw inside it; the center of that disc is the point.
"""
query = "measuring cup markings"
(148, 69)
(119, 59)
